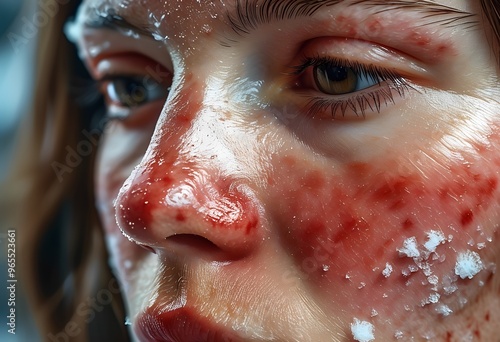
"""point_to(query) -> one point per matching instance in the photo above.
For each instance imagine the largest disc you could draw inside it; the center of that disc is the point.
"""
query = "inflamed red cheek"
(380, 239)
(173, 194)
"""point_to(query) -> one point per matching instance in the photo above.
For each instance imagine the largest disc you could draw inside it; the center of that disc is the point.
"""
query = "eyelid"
(131, 64)
(366, 53)
(397, 74)
(356, 104)
(138, 115)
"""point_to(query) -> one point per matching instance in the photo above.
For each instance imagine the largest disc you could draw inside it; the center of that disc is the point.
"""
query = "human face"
(298, 170)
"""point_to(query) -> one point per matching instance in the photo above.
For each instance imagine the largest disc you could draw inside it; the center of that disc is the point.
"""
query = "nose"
(184, 197)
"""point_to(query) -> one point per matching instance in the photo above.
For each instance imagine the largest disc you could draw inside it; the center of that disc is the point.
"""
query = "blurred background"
(17, 56)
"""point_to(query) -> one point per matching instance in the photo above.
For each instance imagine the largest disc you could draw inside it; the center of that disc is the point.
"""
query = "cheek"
(388, 227)
(120, 150)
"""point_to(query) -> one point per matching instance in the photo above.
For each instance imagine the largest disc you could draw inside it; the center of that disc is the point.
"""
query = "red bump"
(408, 224)
(374, 26)
(466, 218)
(289, 161)
(341, 19)
(184, 120)
(315, 228)
(252, 224)
(180, 217)
(270, 181)
(477, 333)
(313, 180)
(489, 186)
(419, 39)
(134, 210)
(442, 49)
(359, 169)
(393, 190)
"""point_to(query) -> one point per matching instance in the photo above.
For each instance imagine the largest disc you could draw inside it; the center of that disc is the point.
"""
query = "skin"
(231, 201)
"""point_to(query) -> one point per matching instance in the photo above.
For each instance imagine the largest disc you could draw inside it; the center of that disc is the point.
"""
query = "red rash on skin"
(348, 25)
(477, 333)
(212, 200)
(417, 40)
(354, 217)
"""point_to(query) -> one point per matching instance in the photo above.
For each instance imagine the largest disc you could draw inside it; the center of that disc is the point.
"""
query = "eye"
(335, 79)
(133, 91)
(346, 89)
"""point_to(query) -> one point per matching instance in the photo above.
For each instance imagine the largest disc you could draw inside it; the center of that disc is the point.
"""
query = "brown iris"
(335, 80)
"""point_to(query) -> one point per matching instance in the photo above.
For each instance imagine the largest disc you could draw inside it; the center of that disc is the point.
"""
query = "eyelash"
(358, 102)
(363, 100)
(125, 101)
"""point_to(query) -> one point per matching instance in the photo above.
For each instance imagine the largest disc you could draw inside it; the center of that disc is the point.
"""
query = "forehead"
(180, 13)
(171, 12)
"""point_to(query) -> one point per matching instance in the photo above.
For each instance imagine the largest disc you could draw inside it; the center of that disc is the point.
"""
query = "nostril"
(193, 241)
(149, 249)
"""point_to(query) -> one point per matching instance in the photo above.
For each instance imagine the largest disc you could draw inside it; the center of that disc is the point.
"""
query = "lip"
(179, 325)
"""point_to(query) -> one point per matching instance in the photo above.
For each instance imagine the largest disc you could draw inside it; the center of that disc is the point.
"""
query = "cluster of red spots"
(136, 204)
(475, 331)
(359, 205)
(476, 184)
(318, 208)
(134, 209)
(473, 189)
(475, 324)
(209, 199)
(434, 48)
(395, 191)
(419, 39)
(378, 29)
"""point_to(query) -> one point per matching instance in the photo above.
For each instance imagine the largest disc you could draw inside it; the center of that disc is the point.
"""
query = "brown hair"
(64, 262)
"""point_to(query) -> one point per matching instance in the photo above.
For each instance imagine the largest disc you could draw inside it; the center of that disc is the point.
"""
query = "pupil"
(337, 74)
(134, 92)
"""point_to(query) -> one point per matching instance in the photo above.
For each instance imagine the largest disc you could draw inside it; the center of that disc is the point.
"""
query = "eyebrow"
(109, 19)
(250, 14)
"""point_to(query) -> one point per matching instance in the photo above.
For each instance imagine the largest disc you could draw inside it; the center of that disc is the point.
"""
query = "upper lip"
(179, 325)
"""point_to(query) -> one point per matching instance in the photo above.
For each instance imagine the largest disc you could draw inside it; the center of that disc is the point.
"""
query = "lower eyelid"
(360, 106)
(144, 116)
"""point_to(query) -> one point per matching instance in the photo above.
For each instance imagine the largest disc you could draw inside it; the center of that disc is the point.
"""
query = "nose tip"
(189, 211)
